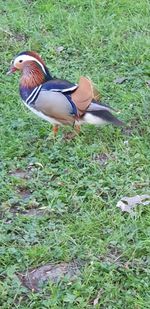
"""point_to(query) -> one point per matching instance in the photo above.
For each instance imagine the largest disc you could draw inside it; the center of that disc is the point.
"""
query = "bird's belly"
(91, 119)
(41, 115)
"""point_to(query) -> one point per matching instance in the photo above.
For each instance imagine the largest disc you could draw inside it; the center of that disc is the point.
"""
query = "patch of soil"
(20, 37)
(69, 136)
(28, 212)
(19, 173)
(33, 279)
(113, 256)
(24, 192)
(127, 131)
(102, 158)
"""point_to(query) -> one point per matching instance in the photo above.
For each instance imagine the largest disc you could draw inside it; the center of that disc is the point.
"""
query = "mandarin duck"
(59, 102)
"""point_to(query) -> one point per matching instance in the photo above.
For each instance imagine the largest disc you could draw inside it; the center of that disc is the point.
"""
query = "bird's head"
(30, 64)
(27, 58)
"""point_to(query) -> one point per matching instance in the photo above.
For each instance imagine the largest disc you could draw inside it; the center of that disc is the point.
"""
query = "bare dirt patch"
(33, 279)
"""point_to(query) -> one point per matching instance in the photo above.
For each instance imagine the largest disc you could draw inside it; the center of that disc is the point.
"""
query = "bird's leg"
(77, 128)
(55, 129)
(76, 125)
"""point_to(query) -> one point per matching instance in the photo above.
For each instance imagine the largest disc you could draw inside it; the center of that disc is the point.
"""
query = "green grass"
(103, 40)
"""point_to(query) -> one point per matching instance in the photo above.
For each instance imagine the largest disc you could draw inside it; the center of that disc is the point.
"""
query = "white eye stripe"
(28, 58)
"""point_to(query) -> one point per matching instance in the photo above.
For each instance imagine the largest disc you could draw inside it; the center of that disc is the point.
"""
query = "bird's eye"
(20, 61)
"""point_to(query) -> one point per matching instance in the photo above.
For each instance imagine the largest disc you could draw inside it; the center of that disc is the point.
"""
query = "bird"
(58, 101)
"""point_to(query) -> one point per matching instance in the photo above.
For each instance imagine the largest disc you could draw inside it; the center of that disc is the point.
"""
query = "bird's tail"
(98, 113)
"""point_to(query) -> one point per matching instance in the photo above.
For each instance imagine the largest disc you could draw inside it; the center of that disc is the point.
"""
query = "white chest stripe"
(33, 95)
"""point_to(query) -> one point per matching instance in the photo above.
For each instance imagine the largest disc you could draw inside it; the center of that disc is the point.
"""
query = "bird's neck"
(32, 77)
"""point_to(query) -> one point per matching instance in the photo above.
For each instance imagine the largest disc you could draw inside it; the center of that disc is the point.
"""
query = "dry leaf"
(128, 203)
(95, 302)
(120, 80)
(59, 49)
(148, 83)
(35, 164)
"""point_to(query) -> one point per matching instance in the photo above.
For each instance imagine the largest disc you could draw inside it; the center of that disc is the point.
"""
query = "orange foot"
(55, 129)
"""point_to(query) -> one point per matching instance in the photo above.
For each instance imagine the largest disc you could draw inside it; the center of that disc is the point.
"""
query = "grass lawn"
(58, 198)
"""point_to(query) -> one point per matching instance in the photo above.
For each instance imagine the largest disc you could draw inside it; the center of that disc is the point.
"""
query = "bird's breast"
(25, 92)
